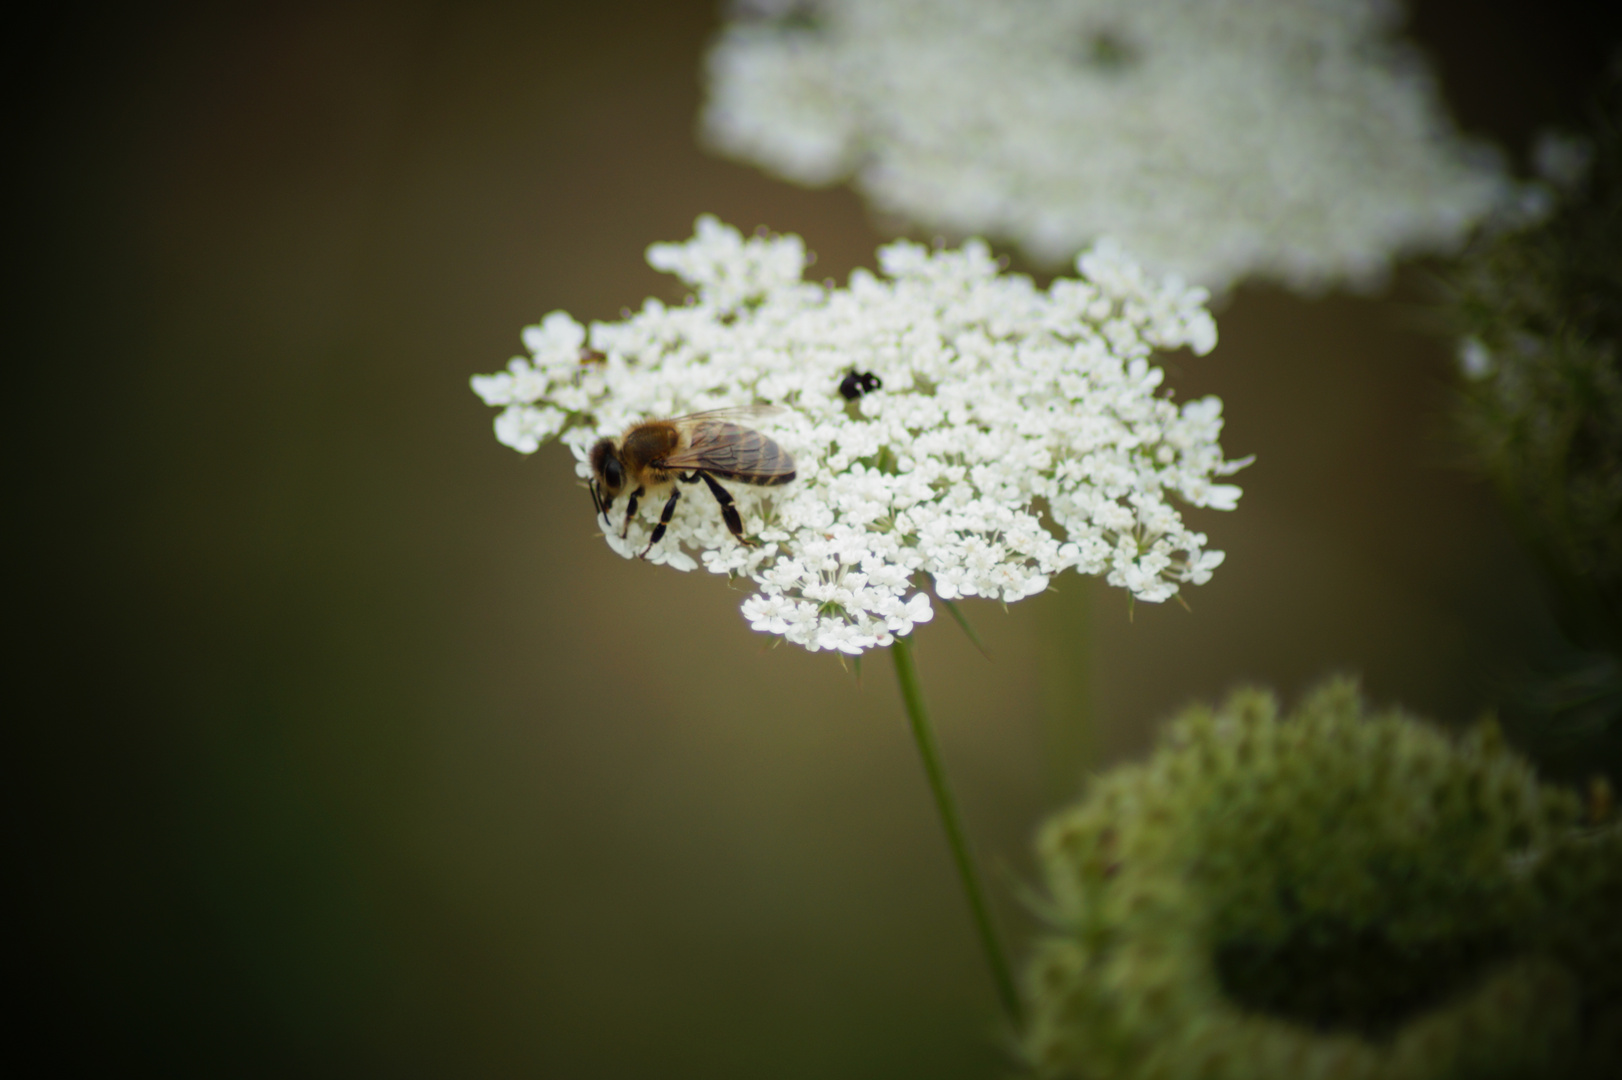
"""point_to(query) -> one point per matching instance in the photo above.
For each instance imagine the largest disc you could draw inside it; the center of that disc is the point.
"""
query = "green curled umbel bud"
(1330, 893)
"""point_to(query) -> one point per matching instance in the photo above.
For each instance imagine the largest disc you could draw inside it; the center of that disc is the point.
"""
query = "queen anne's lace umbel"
(1016, 432)
(1298, 140)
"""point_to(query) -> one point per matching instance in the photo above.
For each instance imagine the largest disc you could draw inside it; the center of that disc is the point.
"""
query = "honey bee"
(653, 455)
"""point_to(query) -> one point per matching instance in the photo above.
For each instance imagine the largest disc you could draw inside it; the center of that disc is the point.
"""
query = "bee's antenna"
(596, 499)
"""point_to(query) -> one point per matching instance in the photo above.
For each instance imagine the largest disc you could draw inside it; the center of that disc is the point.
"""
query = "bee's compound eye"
(613, 475)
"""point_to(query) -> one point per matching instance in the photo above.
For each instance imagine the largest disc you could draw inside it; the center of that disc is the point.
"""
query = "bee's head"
(607, 474)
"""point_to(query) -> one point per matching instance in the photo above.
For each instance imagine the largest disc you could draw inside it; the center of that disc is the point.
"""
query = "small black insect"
(857, 383)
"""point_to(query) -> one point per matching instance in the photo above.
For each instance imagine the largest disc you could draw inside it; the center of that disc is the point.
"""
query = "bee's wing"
(738, 412)
(729, 450)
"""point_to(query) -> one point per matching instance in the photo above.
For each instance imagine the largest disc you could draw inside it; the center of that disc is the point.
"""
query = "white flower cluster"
(949, 423)
(1297, 140)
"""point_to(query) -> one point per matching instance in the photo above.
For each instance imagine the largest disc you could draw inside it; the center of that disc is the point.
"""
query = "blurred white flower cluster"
(1297, 140)
(950, 423)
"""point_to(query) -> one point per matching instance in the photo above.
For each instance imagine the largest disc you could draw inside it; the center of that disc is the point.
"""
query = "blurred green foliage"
(1540, 307)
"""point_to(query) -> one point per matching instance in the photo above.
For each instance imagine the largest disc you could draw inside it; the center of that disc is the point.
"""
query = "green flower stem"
(913, 696)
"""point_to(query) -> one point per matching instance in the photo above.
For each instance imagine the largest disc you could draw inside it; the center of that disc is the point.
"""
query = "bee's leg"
(729, 510)
(664, 520)
(630, 510)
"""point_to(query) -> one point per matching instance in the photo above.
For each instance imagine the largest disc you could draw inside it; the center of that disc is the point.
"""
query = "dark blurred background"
(347, 747)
